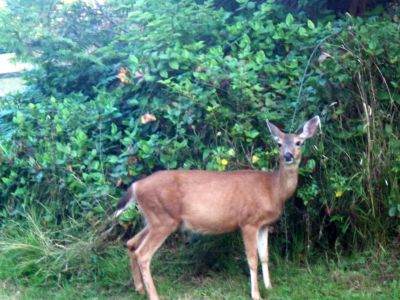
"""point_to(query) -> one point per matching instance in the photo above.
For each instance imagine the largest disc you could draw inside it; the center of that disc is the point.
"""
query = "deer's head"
(290, 144)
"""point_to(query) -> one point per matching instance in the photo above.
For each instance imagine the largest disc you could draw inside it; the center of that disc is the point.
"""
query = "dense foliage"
(131, 87)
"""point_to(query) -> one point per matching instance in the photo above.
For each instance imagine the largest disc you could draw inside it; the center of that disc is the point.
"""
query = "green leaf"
(260, 57)
(310, 24)
(80, 137)
(289, 19)
(114, 129)
(252, 133)
(388, 129)
(99, 209)
(133, 59)
(303, 32)
(95, 165)
(172, 164)
(19, 118)
(128, 215)
(372, 44)
(148, 77)
(112, 159)
(164, 74)
(174, 65)
(206, 154)
(251, 5)
(393, 211)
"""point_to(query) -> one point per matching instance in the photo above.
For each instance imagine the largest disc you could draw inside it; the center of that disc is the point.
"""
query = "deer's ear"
(310, 128)
(275, 132)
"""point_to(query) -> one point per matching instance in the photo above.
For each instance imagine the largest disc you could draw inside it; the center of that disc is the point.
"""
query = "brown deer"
(213, 203)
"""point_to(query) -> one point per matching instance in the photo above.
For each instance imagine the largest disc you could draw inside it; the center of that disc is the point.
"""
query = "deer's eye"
(279, 145)
(299, 143)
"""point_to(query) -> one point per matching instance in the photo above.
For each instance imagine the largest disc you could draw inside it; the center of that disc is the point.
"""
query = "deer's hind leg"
(132, 245)
(153, 240)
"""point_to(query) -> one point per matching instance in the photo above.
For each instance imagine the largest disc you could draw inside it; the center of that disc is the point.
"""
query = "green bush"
(149, 85)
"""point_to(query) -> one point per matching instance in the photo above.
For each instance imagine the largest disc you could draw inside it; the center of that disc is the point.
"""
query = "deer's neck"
(287, 178)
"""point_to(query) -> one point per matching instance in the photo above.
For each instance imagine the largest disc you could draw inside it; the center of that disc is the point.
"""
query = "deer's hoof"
(256, 297)
(140, 290)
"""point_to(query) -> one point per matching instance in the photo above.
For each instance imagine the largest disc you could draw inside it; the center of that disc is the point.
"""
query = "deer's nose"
(288, 157)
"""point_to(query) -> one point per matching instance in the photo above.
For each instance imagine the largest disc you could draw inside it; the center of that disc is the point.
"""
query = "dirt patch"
(11, 85)
(7, 64)
(10, 80)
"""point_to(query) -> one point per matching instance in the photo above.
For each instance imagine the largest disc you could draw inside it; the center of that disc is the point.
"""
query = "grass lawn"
(369, 276)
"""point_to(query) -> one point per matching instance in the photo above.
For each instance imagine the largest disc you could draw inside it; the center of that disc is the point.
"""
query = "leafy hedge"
(132, 87)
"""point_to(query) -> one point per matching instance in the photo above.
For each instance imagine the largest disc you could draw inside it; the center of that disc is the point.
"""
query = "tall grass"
(38, 253)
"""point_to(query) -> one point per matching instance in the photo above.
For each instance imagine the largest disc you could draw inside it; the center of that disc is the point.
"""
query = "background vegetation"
(124, 89)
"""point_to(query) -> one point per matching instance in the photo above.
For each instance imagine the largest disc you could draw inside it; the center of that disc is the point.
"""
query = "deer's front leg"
(262, 244)
(250, 243)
